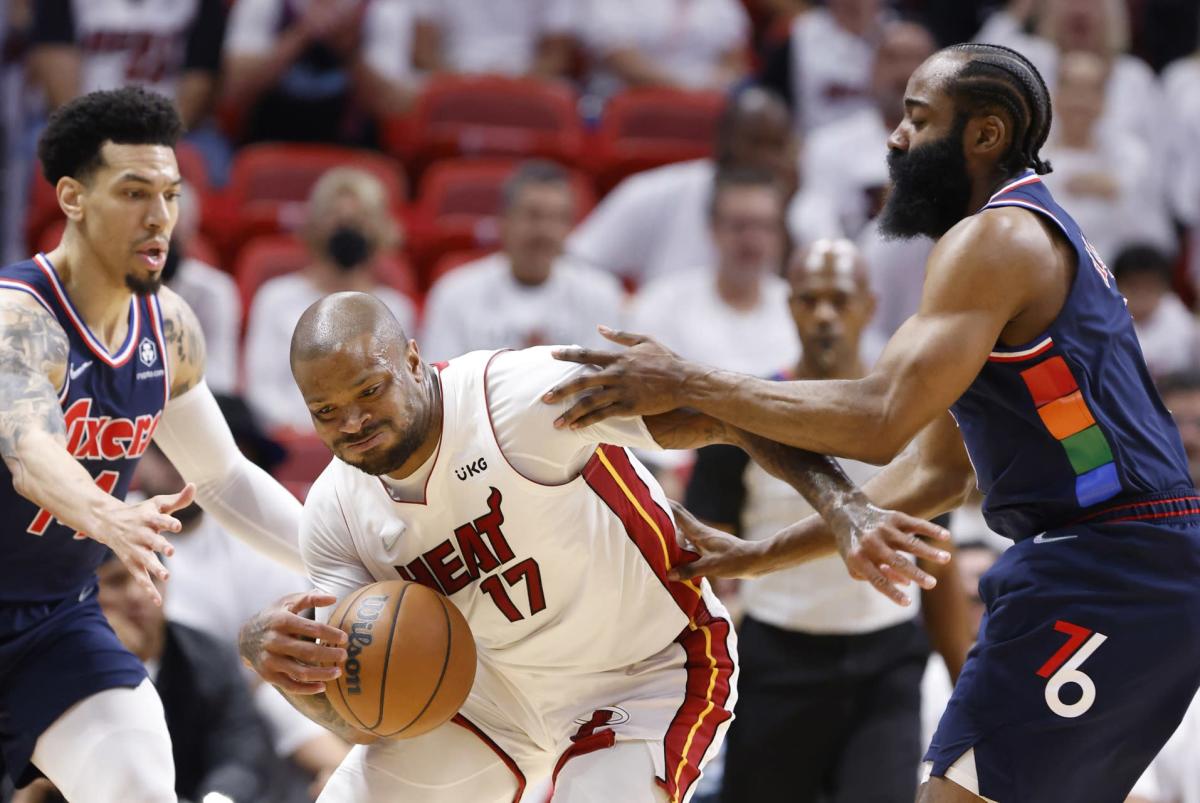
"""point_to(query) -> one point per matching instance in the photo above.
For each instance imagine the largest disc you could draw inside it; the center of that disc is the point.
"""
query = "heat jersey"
(568, 577)
(112, 402)
(1068, 426)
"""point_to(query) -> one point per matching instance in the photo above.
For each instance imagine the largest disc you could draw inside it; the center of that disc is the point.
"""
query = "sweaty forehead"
(930, 81)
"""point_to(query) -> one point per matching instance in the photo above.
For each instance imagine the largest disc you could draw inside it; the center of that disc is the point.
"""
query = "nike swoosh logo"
(85, 593)
(390, 538)
(1041, 538)
(76, 370)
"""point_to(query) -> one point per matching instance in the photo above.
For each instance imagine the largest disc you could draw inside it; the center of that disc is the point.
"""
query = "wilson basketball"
(411, 659)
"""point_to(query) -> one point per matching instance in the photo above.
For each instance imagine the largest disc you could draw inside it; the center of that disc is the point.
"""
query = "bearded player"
(97, 359)
(1088, 658)
(594, 669)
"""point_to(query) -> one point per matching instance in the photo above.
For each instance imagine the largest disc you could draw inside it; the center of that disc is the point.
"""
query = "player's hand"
(721, 554)
(134, 534)
(873, 543)
(645, 379)
(291, 652)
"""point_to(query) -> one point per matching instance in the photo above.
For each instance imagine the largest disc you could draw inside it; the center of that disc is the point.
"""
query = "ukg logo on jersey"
(106, 438)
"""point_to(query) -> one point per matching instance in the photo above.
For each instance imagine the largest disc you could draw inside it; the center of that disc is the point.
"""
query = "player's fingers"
(141, 574)
(903, 570)
(294, 686)
(918, 526)
(918, 547)
(895, 576)
(598, 415)
(161, 522)
(585, 356)
(688, 571)
(307, 652)
(622, 337)
(300, 627)
(308, 599)
(578, 384)
(585, 406)
(275, 664)
(169, 503)
(878, 580)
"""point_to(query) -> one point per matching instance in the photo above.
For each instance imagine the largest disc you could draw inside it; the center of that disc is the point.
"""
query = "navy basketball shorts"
(52, 655)
(1087, 659)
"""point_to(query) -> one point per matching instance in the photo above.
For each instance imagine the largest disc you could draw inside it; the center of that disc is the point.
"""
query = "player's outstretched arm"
(194, 436)
(981, 276)
(931, 477)
(33, 444)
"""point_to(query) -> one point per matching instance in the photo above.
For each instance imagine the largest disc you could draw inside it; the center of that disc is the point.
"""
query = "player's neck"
(988, 186)
(433, 436)
(101, 301)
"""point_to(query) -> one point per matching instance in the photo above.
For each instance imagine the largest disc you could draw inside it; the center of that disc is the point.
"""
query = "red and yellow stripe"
(709, 662)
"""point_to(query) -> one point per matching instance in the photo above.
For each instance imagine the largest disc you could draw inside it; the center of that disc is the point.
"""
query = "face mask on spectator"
(348, 247)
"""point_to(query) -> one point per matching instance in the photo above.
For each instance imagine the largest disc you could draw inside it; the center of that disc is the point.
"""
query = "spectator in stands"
(688, 44)
(210, 292)
(217, 582)
(528, 293)
(1100, 27)
(349, 227)
(1181, 394)
(655, 223)
(219, 743)
(736, 306)
(844, 163)
(1182, 82)
(79, 46)
(1166, 329)
(823, 69)
(511, 37)
(312, 70)
(814, 645)
(1104, 174)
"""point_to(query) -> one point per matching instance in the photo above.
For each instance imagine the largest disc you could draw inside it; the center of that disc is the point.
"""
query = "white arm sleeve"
(327, 546)
(243, 498)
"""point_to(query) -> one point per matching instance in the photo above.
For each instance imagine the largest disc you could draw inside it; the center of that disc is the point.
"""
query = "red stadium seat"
(270, 182)
(43, 210)
(459, 206)
(306, 458)
(488, 115)
(645, 128)
(274, 255)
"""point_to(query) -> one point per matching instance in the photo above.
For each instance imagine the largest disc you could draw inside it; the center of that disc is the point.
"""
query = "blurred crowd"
(514, 172)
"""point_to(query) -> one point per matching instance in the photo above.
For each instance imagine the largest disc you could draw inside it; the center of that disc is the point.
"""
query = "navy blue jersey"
(1069, 423)
(112, 404)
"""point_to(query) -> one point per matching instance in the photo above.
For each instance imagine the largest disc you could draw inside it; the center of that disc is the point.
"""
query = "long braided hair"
(996, 76)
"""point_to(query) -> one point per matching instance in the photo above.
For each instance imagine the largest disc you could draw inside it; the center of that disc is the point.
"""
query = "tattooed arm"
(33, 444)
(820, 480)
(194, 436)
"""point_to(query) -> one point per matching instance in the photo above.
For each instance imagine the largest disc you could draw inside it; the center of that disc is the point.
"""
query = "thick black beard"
(930, 189)
(144, 287)
(396, 456)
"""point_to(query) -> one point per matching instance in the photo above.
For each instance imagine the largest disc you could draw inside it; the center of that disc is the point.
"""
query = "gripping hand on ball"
(296, 654)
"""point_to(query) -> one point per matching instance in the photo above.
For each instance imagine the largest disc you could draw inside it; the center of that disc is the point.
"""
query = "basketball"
(411, 659)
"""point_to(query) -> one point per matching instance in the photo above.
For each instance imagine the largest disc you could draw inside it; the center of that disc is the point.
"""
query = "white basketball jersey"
(126, 42)
(568, 577)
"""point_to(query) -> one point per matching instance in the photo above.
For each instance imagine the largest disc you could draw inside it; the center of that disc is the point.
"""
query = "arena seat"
(645, 128)
(488, 115)
(274, 255)
(270, 182)
(459, 205)
(306, 458)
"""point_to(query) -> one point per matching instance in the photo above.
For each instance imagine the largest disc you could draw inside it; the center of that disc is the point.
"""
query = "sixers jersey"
(1068, 427)
(111, 403)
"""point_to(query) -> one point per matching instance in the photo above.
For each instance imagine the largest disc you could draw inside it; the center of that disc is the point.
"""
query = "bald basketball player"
(594, 668)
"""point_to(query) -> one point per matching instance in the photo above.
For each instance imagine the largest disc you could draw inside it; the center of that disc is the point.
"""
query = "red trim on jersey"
(1021, 182)
(601, 740)
(695, 725)
(1165, 514)
(463, 722)
(1024, 354)
(1147, 503)
(705, 641)
(135, 325)
(156, 324)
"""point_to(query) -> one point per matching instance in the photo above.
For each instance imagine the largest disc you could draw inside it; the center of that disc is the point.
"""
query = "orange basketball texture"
(411, 659)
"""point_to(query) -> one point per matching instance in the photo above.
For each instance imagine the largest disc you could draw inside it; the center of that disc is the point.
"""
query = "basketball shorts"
(52, 655)
(666, 715)
(1087, 659)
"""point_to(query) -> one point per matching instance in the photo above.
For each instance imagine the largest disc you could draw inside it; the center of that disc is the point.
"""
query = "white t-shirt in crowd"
(498, 36)
(277, 306)
(1182, 82)
(688, 316)
(481, 306)
(1174, 775)
(846, 163)
(254, 26)
(1170, 338)
(685, 38)
(656, 223)
(831, 70)
(217, 584)
(213, 296)
(1139, 212)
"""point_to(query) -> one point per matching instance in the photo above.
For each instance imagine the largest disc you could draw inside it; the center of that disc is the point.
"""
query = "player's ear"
(412, 358)
(70, 193)
(986, 136)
